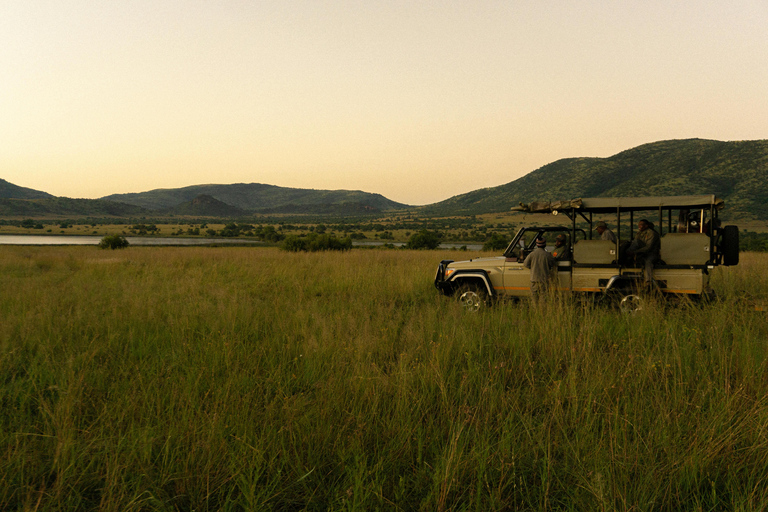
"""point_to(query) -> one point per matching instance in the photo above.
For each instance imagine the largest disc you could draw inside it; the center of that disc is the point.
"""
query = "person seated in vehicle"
(604, 232)
(562, 250)
(694, 222)
(646, 249)
(518, 254)
(706, 229)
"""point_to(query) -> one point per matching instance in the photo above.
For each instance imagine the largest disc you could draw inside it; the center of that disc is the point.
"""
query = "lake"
(142, 241)
(133, 240)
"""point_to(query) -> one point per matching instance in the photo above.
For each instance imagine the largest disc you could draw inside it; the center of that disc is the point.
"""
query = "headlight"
(449, 272)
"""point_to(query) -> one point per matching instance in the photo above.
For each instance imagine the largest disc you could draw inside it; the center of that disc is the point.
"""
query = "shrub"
(496, 242)
(231, 230)
(424, 239)
(294, 243)
(267, 234)
(113, 242)
(314, 242)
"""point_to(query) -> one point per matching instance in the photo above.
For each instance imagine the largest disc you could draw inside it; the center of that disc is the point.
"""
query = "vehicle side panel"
(686, 281)
(517, 280)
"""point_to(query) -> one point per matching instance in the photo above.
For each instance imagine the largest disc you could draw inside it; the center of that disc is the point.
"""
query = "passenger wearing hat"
(540, 262)
(646, 248)
(562, 250)
(604, 232)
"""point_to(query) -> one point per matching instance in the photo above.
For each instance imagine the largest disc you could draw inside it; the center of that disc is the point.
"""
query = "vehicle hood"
(478, 262)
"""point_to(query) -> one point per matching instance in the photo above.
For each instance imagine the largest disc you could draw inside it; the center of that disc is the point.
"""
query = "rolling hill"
(53, 207)
(205, 206)
(260, 198)
(735, 171)
(11, 191)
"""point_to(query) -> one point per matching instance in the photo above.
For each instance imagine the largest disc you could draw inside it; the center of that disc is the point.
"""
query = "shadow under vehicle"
(692, 243)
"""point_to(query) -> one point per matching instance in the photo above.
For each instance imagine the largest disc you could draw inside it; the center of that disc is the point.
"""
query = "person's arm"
(642, 245)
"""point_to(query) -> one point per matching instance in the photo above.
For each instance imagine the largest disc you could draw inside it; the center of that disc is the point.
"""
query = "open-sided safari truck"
(692, 243)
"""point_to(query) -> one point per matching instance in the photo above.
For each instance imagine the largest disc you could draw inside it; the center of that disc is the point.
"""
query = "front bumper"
(441, 284)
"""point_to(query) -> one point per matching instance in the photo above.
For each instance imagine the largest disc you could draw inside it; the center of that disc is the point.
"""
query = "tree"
(314, 242)
(113, 242)
(424, 239)
(496, 242)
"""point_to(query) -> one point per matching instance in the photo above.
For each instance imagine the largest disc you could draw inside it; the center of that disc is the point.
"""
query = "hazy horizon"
(418, 102)
(309, 188)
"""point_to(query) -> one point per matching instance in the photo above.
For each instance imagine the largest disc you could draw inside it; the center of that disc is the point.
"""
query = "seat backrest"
(685, 248)
(594, 251)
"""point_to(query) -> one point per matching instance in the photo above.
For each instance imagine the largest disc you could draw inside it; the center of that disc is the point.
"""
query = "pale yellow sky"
(418, 101)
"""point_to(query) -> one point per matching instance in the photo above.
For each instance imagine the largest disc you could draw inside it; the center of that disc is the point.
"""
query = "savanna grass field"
(256, 379)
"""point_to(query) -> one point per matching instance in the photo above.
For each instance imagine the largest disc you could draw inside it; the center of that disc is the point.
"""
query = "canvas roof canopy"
(612, 204)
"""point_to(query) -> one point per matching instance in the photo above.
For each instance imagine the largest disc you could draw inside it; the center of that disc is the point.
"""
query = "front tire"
(472, 298)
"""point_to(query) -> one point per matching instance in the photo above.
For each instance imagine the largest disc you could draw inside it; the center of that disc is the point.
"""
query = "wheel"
(472, 298)
(631, 303)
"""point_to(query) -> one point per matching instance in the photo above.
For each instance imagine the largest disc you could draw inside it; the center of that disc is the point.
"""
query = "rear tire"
(730, 245)
(627, 300)
(631, 303)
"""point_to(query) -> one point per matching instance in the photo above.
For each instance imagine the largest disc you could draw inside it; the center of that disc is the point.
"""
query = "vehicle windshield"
(525, 240)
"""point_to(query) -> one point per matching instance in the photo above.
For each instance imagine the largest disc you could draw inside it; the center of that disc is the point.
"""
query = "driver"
(562, 249)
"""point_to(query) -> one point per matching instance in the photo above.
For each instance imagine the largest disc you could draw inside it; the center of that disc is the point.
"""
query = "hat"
(540, 242)
(601, 224)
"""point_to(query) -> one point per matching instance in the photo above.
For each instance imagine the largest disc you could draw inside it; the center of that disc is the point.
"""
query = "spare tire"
(729, 245)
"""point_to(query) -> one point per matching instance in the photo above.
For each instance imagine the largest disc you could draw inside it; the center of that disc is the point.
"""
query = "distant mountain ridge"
(259, 198)
(11, 191)
(205, 206)
(66, 207)
(737, 172)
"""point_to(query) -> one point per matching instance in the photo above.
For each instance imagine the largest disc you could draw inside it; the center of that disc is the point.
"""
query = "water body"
(132, 240)
(447, 245)
(143, 241)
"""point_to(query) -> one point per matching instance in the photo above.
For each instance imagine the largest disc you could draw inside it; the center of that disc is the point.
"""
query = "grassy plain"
(254, 379)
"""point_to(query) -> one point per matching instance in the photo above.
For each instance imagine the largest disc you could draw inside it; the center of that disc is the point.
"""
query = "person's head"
(601, 227)
(540, 242)
(559, 240)
(643, 225)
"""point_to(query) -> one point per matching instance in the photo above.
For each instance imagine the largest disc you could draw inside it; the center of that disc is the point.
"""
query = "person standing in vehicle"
(562, 250)
(646, 248)
(540, 262)
(604, 232)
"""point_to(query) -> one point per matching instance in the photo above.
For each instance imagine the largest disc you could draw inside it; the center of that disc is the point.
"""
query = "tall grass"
(252, 379)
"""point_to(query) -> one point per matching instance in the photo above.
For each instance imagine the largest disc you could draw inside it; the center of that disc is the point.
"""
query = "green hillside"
(64, 206)
(11, 191)
(734, 171)
(336, 209)
(257, 197)
(205, 206)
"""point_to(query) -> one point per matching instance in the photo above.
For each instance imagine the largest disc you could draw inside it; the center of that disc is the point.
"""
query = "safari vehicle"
(692, 243)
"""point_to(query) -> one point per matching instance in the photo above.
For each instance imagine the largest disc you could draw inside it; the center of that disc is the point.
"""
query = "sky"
(416, 100)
